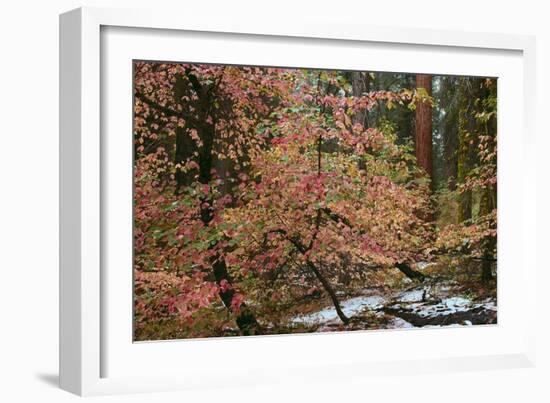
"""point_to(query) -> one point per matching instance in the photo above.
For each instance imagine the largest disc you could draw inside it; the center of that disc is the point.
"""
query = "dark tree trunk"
(486, 271)
(464, 166)
(329, 290)
(410, 273)
(360, 84)
(449, 128)
(245, 319)
(487, 204)
(423, 127)
(326, 285)
(185, 147)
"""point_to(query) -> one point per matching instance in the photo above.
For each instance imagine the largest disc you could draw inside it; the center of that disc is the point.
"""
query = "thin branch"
(317, 225)
(336, 217)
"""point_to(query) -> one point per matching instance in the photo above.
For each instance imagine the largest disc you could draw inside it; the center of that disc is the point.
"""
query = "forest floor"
(441, 300)
(451, 295)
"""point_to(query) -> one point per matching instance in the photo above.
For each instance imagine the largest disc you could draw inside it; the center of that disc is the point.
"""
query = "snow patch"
(410, 296)
(350, 307)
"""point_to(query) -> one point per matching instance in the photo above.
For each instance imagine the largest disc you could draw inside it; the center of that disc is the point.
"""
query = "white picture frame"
(86, 332)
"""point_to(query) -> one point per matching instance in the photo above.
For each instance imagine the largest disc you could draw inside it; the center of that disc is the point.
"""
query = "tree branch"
(194, 81)
(337, 217)
(159, 107)
(403, 267)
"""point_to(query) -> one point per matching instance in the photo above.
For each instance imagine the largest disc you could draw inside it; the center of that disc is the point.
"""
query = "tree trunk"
(185, 146)
(329, 290)
(326, 285)
(465, 198)
(360, 84)
(449, 128)
(423, 127)
(410, 273)
(486, 207)
(246, 321)
(184, 149)
(488, 204)
(466, 131)
(486, 271)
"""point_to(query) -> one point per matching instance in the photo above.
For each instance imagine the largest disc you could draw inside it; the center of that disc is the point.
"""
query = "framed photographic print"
(290, 198)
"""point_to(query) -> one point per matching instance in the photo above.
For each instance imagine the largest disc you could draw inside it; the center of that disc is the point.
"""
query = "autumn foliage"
(255, 187)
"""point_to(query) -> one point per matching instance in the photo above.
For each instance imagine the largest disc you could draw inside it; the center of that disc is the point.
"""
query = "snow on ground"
(446, 306)
(350, 307)
(410, 296)
(423, 301)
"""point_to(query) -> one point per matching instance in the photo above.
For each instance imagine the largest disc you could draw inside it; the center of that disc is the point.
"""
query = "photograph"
(221, 202)
(273, 200)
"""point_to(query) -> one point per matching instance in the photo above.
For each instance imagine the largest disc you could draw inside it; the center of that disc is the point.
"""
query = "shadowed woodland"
(276, 201)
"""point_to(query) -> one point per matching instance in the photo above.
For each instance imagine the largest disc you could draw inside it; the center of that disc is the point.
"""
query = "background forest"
(272, 200)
